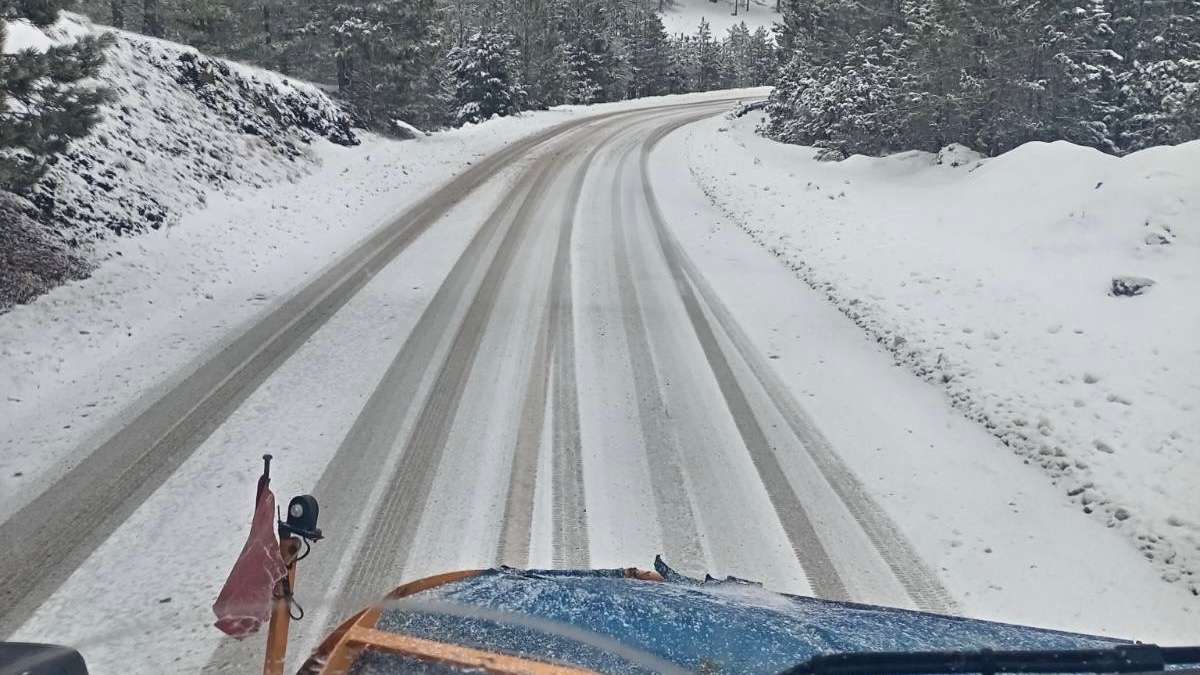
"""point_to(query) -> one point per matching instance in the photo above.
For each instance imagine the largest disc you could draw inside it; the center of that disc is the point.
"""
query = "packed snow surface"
(1002, 280)
(683, 16)
(21, 35)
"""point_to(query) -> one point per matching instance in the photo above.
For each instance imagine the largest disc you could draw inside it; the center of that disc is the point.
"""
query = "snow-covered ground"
(683, 16)
(21, 35)
(993, 279)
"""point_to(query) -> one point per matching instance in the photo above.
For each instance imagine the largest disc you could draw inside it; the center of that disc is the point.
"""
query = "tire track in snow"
(677, 522)
(517, 521)
(807, 546)
(517, 525)
(910, 570)
(570, 533)
(394, 525)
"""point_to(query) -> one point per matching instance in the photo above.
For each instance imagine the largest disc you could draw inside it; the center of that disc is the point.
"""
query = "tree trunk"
(343, 67)
(117, 10)
(152, 23)
(269, 55)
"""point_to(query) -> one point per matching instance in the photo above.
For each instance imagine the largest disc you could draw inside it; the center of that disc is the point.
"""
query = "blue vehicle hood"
(606, 622)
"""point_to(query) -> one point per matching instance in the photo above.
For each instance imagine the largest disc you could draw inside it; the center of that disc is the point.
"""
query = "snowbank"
(995, 279)
(22, 35)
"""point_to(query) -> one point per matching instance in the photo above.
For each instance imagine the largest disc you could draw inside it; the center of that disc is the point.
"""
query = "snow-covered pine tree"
(737, 52)
(383, 51)
(586, 54)
(837, 89)
(484, 78)
(710, 59)
(46, 98)
(1159, 78)
(764, 58)
(650, 54)
(539, 44)
(681, 70)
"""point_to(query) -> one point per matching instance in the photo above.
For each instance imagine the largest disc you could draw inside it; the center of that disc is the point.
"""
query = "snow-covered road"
(556, 360)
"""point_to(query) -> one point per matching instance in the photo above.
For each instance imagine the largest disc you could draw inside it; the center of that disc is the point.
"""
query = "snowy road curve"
(575, 394)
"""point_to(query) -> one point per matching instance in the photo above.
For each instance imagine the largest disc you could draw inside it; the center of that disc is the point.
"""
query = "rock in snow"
(1130, 286)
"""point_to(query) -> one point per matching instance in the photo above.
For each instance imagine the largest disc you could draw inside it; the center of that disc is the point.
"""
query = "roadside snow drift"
(1021, 285)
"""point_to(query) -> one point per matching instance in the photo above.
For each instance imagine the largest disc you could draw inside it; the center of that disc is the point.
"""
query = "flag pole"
(281, 615)
(300, 527)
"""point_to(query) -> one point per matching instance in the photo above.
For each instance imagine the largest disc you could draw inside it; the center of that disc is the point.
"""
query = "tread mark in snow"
(516, 526)
(570, 507)
(677, 522)
(918, 580)
(395, 524)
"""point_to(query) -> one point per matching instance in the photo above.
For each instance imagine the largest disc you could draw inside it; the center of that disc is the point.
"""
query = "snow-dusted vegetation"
(880, 77)
(1011, 283)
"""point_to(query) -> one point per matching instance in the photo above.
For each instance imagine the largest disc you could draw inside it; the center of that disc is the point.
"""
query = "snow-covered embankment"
(995, 279)
(178, 127)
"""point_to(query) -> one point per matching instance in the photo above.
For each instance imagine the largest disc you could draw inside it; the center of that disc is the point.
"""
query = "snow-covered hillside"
(998, 279)
(179, 127)
(683, 16)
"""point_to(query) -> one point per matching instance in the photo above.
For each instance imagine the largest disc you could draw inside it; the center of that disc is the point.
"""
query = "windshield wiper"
(1122, 659)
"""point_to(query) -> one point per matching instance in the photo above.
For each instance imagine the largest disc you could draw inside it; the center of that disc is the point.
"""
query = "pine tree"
(651, 55)
(383, 52)
(484, 78)
(710, 63)
(764, 60)
(45, 98)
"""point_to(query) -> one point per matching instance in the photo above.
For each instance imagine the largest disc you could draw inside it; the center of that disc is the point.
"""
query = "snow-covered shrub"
(33, 258)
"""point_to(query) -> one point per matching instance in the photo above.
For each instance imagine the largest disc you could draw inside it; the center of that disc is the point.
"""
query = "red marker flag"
(244, 604)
